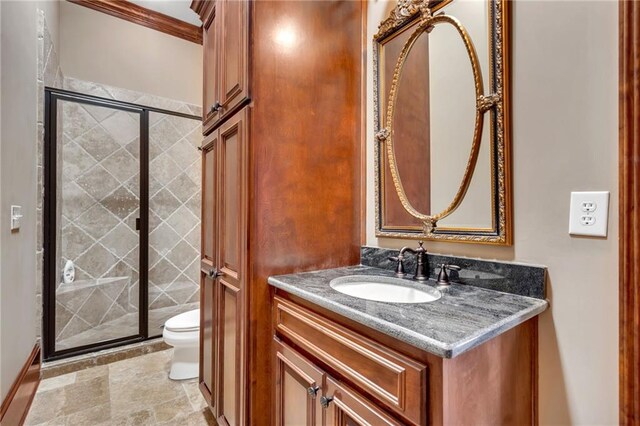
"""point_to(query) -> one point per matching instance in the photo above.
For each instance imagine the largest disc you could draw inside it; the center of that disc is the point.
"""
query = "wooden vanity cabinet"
(262, 160)
(301, 389)
(298, 386)
(368, 378)
(226, 59)
(348, 408)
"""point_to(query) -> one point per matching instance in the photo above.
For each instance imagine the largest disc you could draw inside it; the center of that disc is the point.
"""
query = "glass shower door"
(93, 214)
(174, 217)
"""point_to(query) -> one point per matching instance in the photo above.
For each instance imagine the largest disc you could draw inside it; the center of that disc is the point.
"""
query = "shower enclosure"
(121, 221)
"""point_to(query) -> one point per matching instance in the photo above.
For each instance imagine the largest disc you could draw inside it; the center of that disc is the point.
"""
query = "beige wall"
(18, 181)
(564, 139)
(128, 55)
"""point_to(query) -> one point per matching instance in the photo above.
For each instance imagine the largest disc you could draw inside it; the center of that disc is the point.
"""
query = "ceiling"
(178, 9)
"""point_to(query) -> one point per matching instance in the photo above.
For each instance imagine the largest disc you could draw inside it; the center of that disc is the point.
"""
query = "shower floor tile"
(126, 325)
(134, 391)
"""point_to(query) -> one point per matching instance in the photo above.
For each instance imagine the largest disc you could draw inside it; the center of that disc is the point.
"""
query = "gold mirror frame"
(405, 12)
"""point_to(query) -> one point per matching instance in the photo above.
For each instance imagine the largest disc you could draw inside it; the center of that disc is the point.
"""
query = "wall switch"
(589, 213)
(16, 215)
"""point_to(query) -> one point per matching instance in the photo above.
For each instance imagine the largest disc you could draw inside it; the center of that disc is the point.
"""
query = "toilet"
(183, 333)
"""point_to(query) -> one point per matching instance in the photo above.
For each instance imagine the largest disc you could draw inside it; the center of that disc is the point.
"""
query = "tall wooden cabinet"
(208, 266)
(223, 268)
(210, 98)
(225, 64)
(281, 155)
(231, 283)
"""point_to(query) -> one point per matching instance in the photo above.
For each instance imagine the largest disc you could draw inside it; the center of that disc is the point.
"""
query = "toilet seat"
(181, 338)
(184, 322)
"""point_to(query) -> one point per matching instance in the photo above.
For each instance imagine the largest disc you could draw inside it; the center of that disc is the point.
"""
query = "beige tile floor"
(135, 391)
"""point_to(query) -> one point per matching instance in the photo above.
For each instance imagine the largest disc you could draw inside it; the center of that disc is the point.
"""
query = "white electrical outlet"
(589, 213)
(587, 220)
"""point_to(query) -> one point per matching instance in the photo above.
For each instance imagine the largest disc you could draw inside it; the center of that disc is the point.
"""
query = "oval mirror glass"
(434, 119)
(434, 126)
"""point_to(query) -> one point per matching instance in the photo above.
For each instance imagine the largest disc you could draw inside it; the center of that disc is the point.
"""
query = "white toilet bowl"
(183, 333)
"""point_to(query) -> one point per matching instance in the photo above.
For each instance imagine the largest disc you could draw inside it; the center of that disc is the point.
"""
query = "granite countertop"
(463, 318)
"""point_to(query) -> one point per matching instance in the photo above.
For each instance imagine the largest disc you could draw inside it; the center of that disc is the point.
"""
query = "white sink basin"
(385, 289)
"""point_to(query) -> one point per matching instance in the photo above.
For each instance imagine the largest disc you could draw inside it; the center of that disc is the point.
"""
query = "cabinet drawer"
(396, 381)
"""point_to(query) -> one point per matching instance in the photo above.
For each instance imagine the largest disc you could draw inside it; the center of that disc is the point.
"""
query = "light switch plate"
(589, 213)
(16, 215)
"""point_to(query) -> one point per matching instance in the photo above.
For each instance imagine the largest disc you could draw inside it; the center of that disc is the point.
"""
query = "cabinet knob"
(325, 401)
(313, 391)
(214, 273)
(215, 107)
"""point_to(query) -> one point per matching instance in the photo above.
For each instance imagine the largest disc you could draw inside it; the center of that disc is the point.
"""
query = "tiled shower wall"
(100, 198)
(100, 191)
(50, 75)
(99, 183)
(174, 204)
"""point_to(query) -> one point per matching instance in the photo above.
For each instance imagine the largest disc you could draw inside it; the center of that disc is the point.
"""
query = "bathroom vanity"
(468, 357)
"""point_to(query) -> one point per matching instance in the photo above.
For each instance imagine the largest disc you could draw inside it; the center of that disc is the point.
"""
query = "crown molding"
(148, 18)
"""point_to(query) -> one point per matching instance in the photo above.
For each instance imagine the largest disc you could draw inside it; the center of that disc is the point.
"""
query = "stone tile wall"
(49, 75)
(174, 218)
(100, 191)
(100, 204)
(98, 200)
(88, 304)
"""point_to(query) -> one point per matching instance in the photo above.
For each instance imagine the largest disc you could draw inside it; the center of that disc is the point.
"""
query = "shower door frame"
(52, 95)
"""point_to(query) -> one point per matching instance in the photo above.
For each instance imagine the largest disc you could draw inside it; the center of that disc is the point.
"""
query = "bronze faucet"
(421, 260)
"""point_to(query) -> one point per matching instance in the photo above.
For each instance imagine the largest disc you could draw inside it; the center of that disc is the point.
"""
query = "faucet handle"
(443, 277)
(400, 266)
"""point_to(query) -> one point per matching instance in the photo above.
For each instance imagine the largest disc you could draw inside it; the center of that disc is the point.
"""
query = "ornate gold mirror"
(441, 118)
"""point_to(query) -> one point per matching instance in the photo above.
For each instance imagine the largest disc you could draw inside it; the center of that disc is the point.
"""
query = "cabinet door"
(345, 407)
(207, 268)
(234, 53)
(298, 387)
(210, 84)
(232, 219)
